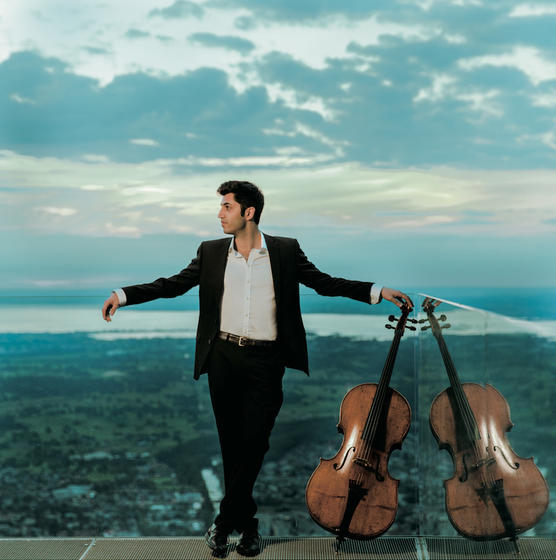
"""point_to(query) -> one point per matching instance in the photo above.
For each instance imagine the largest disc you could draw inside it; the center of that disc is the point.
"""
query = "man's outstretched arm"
(161, 288)
(327, 285)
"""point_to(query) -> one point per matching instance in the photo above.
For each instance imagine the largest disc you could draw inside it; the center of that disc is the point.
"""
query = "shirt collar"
(262, 250)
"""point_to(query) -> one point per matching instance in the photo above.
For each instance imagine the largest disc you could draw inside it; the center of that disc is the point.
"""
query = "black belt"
(243, 341)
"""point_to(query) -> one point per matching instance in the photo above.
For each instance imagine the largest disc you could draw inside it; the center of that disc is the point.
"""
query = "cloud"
(119, 230)
(245, 23)
(95, 158)
(143, 142)
(52, 283)
(222, 42)
(339, 112)
(427, 5)
(533, 10)
(101, 51)
(19, 99)
(198, 113)
(137, 34)
(447, 87)
(93, 187)
(421, 222)
(547, 99)
(57, 211)
(165, 39)
(442, 85)
(371, 88)
(366, 114)
(295, 11)
(179, 9)
(528, 60)
(154, 197)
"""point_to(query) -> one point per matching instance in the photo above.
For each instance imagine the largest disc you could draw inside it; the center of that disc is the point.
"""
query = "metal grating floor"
(43, 549)
(275, 548)
(459, 549)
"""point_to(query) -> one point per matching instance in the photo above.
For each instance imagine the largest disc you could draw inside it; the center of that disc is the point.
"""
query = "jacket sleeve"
(326, 285)
(166, 287)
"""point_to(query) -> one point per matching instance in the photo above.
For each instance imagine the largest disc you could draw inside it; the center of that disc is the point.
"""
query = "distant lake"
(140, 322)
(526, 303)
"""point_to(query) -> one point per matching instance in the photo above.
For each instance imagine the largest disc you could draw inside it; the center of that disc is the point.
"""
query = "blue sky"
(408, 142)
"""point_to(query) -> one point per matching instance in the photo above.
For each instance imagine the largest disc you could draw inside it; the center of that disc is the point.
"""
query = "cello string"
(373, 419)
(371, 425)
(378, 400)
(462, 403)
(472, 429)
(466, 413)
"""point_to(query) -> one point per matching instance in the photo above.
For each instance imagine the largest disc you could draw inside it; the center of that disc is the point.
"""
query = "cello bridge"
(368, 467)
(483, 463)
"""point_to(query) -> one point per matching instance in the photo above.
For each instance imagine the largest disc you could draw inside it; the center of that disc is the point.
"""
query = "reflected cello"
(353, 495)
(494, 493)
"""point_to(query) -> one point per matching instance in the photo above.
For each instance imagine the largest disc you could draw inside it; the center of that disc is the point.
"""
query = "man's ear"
(250, 213)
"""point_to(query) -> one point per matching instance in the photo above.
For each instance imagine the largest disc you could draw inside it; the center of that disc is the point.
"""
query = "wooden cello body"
(493, 493)
(352, 494)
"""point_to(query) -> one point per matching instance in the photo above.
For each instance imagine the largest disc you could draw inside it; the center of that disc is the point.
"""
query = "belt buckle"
(242, 341)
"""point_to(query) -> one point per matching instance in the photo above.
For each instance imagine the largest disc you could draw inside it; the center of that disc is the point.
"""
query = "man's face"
(230, 214)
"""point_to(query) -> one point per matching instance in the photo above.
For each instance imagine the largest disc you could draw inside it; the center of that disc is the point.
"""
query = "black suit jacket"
(290, 267)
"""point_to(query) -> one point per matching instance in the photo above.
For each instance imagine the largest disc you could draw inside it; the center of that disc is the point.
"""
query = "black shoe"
(249, 543)
(217, 540)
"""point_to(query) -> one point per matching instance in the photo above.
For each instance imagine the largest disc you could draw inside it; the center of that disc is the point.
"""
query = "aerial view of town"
(115, 438)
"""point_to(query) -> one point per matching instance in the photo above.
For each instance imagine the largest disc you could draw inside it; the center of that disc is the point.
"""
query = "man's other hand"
(109, 307)
(396, 297)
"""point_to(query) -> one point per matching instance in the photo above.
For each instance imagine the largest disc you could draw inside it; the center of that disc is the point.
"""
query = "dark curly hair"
(246, 194)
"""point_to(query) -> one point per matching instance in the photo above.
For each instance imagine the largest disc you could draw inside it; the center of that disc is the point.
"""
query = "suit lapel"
(218, 265)
(274, 254)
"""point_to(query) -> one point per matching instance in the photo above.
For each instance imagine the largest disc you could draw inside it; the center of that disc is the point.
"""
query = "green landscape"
(114, 437)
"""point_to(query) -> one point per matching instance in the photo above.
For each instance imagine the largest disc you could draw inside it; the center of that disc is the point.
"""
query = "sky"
(407, 142)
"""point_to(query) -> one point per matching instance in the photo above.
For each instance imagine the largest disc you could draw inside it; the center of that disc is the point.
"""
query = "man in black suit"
(249, 330)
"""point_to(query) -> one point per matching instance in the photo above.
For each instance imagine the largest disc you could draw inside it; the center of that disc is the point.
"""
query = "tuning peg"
(392, 318)
(389, 326)
(425, 328)
(446, 326)
(412, 321)
(411, 328)
(421, 321)
(442, 317)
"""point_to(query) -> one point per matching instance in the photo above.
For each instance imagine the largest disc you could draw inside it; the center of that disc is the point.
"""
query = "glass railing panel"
(102, 428)
(500, 361)
(104, 432)
(521, 366)
(462, 331)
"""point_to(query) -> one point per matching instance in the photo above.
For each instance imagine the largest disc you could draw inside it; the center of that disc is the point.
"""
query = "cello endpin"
(338, 544)
(514, 541)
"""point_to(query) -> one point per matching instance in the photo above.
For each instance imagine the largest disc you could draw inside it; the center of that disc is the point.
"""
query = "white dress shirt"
(248, 302)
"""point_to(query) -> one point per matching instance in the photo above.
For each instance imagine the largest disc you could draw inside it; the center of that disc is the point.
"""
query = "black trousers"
(246, 391)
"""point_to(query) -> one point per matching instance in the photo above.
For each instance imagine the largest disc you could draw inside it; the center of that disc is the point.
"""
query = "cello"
(352, 494)
(493, 493)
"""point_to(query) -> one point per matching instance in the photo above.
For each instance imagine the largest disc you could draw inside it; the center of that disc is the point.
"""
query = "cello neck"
(373, 418)
(460, 398)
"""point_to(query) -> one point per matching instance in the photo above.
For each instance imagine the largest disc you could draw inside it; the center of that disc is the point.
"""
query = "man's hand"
(396, 297)
(109, 307)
